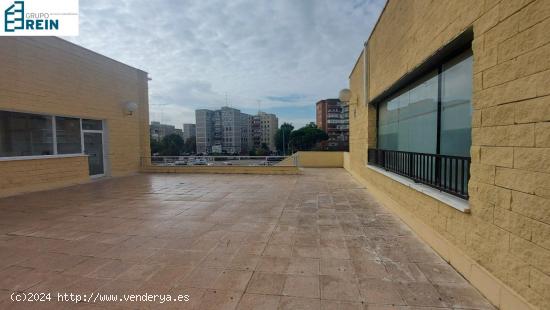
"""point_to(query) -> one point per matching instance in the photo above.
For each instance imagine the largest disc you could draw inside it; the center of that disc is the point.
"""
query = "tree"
(190, 146)
(172, 145)
(156, 146)
(282, 138)
(307, 137)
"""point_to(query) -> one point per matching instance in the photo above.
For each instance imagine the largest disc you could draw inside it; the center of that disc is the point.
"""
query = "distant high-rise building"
(247, 142)
(159, 131)
(221, 131)
(333, 118)
(189, 130)
(265, 127)
(230, 131)
(204, 120)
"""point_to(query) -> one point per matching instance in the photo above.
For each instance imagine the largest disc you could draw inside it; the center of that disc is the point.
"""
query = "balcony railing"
(446, 173)
(171, 161)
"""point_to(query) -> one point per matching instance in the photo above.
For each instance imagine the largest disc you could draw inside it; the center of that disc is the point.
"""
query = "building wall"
(507, 232)
(158, 131)
(51, 76)
(320, 159)
(204, 130)
(321, 115)
(269, 123)
(189, 130)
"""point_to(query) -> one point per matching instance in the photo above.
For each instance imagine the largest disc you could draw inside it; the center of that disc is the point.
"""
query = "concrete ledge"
(224, 169)
(448, 199)
(498, 293)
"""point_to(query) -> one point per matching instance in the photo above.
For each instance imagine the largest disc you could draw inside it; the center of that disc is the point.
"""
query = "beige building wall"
(51, 76)
(269, 125)
(503, 245)
(315, 159)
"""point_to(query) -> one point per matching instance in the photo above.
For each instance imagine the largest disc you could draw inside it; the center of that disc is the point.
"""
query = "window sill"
(34, 157)
(448, 199)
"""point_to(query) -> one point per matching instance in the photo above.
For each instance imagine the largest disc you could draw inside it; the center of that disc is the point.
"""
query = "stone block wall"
(508, 229)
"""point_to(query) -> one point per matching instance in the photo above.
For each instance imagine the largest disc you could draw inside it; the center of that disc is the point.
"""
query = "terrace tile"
(318, 240)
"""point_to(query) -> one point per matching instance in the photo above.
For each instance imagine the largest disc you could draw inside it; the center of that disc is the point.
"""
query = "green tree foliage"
(190, 146)
(263, 150)
(307, 137)
(283, 136)
(172, 145)
(155, 147)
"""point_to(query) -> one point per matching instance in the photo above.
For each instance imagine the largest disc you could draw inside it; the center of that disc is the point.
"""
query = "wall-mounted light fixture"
(346, 96)
(130, 107)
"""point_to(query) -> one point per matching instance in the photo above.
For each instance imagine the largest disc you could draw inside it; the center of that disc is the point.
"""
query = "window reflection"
(23, 134)
(456, 106)
(408, 121)
(68, 135)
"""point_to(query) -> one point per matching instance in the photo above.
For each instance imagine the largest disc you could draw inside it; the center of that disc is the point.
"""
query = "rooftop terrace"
(317, 240)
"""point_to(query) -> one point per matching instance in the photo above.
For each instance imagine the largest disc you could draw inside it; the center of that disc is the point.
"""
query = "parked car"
(200, 162)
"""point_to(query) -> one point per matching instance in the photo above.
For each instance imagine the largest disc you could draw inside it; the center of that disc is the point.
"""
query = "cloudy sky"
(285, 54)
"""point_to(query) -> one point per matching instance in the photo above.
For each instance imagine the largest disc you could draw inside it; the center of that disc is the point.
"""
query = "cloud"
(285, 53)
(287, 98)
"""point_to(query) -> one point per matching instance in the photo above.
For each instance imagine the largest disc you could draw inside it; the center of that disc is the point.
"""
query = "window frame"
(54, 137)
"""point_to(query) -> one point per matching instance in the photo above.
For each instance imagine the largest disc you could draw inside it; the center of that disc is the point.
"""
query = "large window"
(68, 135)
(408, 121)
(424, 130)
(25, 134)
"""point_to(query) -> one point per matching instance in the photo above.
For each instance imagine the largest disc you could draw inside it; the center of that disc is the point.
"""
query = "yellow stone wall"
(507, 233)
(49, 75)
(22, 176)
(315, 159)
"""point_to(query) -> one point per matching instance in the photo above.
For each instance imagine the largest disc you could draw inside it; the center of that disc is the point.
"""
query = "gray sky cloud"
(286, 53)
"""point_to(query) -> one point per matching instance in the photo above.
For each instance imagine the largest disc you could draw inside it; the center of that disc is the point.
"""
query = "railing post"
(437, 170)
(411, 169)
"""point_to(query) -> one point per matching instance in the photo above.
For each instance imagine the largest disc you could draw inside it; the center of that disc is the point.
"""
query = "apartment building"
(230, 131)
(247, 143)
(332, 117)
(449, 127)
(62, 127)
(158, 131)
(204, 122)
(268, 125)
(189, 131)
(219, 131)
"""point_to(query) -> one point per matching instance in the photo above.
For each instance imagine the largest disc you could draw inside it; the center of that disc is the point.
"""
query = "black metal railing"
(446, 173)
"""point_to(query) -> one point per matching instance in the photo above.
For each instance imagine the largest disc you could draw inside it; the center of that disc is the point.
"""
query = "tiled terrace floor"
(314, 241)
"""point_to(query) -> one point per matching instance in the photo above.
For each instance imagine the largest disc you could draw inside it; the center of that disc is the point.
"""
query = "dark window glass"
(23, 134)
(456, 106)
(91, 124)
(68, 135)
